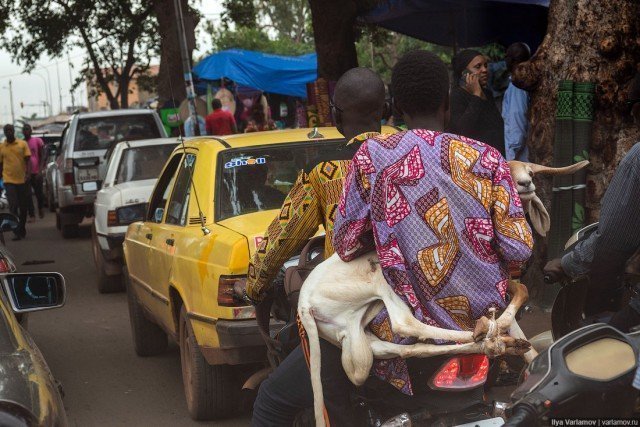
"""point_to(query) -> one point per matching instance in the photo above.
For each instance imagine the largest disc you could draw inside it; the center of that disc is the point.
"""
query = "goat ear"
(539, 216)
(567, 170)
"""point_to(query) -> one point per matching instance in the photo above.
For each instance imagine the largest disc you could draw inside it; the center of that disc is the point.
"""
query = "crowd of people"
(398, 210)
(21, 167)
(221, 122)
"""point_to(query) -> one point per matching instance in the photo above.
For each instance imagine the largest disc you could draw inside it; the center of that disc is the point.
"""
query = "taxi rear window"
(259, 178)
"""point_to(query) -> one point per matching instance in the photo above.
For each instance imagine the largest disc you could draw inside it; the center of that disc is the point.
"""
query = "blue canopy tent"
(285, 75)
(464, 23)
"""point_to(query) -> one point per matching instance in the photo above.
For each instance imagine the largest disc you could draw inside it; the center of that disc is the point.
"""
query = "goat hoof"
(481, 329)
(516, 346)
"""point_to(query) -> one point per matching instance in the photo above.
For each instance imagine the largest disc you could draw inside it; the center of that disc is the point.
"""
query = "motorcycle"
(448, 390)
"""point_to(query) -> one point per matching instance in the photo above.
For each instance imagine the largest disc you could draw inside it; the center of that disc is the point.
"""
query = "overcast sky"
(30, 89)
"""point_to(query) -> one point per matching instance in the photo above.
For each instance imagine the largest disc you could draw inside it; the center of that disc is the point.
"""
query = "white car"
(132, 173)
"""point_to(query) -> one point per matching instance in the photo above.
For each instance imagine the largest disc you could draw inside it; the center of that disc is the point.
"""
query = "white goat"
(522, 174)
(339, 299)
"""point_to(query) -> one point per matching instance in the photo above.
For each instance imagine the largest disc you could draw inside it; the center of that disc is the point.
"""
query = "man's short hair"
(517, 53)
(216, 103)
(420, 82)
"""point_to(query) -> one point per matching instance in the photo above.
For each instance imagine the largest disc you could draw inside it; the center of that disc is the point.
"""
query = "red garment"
(220, 122)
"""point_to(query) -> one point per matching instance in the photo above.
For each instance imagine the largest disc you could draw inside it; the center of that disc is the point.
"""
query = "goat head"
(522, 174)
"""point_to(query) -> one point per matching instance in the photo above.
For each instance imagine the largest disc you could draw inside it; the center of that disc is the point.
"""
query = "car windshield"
(141, 163)
(257, 179)
(100, 133)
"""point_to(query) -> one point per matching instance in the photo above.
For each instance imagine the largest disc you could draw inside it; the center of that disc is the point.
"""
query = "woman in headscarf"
(473, 112)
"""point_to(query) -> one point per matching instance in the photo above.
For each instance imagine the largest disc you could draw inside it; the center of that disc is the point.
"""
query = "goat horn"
(566, 170)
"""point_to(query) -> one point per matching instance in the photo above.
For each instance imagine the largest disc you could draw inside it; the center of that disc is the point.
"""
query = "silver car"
(78, 171)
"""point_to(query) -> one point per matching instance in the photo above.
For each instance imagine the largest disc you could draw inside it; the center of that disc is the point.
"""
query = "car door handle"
(170, 242)
(149, 236)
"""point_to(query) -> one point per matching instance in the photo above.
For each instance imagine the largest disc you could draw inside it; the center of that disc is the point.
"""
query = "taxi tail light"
(461, 373)
(225, 293)
(69, 179)
(112, 219)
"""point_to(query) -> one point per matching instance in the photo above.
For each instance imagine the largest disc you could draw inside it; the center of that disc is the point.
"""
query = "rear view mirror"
(34, 291)
(8, 222)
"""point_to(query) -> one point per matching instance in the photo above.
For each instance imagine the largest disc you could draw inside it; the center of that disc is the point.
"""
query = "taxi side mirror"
(34, 291)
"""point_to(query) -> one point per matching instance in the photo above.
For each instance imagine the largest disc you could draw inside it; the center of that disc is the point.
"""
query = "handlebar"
(522, 415)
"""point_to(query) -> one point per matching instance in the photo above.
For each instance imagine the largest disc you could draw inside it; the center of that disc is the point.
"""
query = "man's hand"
(553, 271)
(239, 288)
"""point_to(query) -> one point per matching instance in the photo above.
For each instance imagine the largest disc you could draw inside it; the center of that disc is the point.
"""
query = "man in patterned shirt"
(442, 209)
(358, 109)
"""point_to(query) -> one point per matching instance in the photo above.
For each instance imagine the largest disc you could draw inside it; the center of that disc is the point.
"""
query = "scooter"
(585, 367)
(585, 374)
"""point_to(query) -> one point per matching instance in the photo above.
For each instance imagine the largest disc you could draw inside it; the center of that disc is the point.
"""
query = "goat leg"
(519, 295)
(516, 332)
(405, 324)
(387, 350)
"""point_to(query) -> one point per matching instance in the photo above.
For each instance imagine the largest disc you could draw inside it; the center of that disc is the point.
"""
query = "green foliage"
(242, 13)
(380, 49)
(284, 27)
(119, 37)
(256, 39)
(288, 18)
(582, 156)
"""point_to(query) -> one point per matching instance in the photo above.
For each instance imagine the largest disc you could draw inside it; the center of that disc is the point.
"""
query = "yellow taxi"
(206, 215)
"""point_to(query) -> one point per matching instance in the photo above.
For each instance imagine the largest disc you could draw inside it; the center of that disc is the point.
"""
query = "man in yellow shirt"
(15, 169)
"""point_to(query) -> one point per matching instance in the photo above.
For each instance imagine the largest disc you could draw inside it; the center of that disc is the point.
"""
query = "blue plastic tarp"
(286, 75)
(464, 23)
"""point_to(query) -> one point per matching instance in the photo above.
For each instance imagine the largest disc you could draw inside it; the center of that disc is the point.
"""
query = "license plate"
(87, 174)
(491, 422)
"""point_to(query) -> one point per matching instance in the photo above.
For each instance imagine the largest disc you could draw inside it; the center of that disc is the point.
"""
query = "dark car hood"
(18, 380)
(25, 378)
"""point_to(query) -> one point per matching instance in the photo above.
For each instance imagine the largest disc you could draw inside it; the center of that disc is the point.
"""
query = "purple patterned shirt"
(447, 223)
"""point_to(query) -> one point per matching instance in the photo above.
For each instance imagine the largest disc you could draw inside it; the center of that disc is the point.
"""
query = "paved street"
(87, 343)
(88, 347)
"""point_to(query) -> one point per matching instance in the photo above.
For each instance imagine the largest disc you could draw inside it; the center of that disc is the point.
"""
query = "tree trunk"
(171, 84)
(333, 31)
(586, 41)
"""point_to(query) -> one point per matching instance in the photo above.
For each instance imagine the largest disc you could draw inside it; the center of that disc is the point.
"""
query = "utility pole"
(13, 117)
(50, 97)
(59, 87)
(73, 101)
(45, 93)
(186, 68)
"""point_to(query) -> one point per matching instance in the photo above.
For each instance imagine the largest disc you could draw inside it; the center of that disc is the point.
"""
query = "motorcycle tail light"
(461, 373)
(225, 292)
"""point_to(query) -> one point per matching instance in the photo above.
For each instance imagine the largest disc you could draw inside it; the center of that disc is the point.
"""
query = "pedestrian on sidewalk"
(15, 169)
(36, 146)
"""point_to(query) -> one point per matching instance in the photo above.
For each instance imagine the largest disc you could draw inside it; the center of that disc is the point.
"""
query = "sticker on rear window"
(245, 161)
